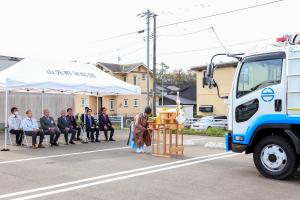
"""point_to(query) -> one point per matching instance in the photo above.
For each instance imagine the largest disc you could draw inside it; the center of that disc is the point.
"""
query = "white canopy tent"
(56, 76)
(64, 76)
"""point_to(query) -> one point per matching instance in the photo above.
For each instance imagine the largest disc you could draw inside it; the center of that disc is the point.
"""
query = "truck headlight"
(239, 138)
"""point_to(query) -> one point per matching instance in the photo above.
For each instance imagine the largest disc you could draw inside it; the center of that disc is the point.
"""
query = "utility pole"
(119, 58)
(147, 15)
(162, 87)
(154, 64)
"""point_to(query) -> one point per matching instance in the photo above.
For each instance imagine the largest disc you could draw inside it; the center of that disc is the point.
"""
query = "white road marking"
(61, 155)
(106, 176)
(198, 139)
(121, 178)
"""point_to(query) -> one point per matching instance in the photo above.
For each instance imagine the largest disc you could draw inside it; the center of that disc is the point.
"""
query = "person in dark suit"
(105, 124)
(65, 126)
(85, 113)
(49, 127)
(91, 126)
(74, 123)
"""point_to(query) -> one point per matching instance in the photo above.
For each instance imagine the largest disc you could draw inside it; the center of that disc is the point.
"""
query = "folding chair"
(46, 139)
(9, 137)
(25, 139)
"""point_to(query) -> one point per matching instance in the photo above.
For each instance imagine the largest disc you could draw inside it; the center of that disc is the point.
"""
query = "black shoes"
(97, 140)
(54, 144)
(71, 142)
(111, 139)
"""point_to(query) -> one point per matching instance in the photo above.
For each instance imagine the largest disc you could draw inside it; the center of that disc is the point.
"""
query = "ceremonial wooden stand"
(166, 123)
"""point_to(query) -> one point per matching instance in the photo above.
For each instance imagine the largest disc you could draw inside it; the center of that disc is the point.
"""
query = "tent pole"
(140, 104)
(6, 121)
(84, 139)
(97, 117)
(43, 101)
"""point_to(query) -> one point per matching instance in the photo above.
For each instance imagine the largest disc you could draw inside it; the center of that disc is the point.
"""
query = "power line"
(184, 34)
(121, 35)
(194, 19)
(205, 49)
(219, 40)
(212, 48)
(126, 54)
(221, 13)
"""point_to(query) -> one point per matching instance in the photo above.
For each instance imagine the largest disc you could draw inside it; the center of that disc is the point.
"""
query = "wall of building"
(224, 77)
(24, 101)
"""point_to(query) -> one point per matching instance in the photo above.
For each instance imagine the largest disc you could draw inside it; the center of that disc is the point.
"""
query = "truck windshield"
(258, 74)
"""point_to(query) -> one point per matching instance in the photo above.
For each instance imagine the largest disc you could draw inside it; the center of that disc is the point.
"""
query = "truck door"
(258, 90)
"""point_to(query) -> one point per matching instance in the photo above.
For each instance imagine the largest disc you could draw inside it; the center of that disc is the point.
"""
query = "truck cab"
(264, 110)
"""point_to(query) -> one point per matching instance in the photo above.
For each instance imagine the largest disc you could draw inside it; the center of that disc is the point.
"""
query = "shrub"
(216, 132)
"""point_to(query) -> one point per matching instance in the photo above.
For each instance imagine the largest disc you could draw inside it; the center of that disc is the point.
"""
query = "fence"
(117, 119)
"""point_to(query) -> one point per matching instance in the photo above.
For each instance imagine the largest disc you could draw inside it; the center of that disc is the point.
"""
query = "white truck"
(264, 107)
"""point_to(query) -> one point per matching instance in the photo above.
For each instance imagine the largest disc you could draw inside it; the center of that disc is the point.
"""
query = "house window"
(135, 103)
(125, 102)
(143, 76)
(135, 80)
(82, 102)
(125, 79)
(111, 104)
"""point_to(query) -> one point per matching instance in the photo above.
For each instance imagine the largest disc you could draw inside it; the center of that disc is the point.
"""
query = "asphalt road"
(112, 171)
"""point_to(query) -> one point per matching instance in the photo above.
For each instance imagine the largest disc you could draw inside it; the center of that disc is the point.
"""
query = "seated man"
(50, 128)
(65, 127)
(82, 120)
(15, 125)
(74, 123)
(91, 126)
(31, 128)
(105, 124)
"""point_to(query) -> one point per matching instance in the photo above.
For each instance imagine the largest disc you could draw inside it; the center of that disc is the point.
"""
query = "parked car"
(210, 122)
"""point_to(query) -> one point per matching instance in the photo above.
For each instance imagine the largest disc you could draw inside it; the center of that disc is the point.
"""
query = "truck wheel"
(275, 158)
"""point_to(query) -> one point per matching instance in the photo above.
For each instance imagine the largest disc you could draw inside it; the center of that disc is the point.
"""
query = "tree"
(179, 78)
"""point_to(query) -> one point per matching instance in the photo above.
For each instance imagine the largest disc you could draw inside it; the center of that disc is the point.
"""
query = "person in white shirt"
(14, 125)
(31, 128)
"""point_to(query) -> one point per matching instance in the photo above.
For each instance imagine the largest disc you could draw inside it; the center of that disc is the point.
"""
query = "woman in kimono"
(138, 129)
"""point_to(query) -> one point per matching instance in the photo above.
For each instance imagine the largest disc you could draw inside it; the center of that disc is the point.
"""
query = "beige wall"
(106, 104)
(79, 103)
(223, 77)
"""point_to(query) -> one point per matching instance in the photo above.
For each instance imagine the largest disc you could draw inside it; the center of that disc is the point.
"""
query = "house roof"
(122, 68)
(173, 88)
(219, 65)
(7, 61)
(159, 88)
(183, 101)
(189, 91)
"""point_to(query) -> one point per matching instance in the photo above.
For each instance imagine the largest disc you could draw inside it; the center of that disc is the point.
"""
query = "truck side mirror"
(207, 75)
(209, 69)
(204, 79)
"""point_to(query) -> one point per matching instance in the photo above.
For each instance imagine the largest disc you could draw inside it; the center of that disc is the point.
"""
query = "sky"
(76, 29)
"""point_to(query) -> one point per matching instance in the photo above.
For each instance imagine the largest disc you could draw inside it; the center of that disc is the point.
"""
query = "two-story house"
(208, 102)
(127, 105)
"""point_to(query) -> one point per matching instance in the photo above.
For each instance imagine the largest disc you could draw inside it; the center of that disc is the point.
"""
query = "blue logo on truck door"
(267, 94)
